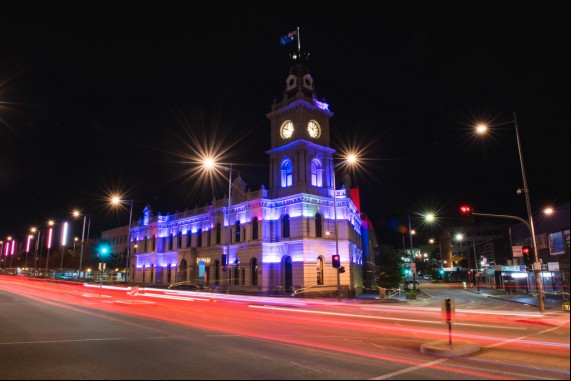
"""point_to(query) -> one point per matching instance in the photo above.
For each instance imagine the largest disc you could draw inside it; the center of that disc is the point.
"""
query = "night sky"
(120, 98)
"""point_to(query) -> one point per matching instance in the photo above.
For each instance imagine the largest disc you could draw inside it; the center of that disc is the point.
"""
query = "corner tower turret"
(301, 160)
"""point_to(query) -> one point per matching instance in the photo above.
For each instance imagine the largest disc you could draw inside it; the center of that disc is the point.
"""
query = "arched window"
(237, 232)
(285, 226)
(320, 271)
(287, 173)
(318, 225)
(199, 238)
(218, 234)
(316, 171)
(255, 228)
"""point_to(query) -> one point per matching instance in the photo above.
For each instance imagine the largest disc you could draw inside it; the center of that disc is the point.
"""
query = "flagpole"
(298, 41)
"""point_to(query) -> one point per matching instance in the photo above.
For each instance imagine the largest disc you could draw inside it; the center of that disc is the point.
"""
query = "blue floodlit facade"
(281, 238)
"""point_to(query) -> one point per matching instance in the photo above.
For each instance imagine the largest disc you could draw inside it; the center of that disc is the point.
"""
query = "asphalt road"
(69, 331)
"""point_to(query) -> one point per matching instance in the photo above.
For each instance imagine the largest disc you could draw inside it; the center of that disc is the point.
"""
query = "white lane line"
(408, 370)
(392, 319)
(518, 338)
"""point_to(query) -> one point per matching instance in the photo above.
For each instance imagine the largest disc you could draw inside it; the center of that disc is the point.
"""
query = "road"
(74, 331)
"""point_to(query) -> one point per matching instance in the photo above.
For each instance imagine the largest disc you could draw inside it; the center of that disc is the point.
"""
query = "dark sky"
(99, 99)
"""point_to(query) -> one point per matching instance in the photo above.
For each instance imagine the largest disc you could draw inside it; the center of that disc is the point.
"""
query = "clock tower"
(301, 160)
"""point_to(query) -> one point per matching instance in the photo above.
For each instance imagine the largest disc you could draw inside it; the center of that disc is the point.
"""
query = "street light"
(460, 237)
(350, 159)
(12, 251)
(481, 129)
(7, 251)
(62, 242)
(76, 214)
(37, 245)
(209, 164)
(50, 232)
(116, 200)
(428, 217)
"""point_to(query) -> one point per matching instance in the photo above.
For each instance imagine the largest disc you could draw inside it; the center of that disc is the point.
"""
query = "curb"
(443, 348)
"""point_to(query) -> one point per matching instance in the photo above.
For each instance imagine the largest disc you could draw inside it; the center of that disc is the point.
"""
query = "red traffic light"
(526, 250)
(336, 260)
(466, 209)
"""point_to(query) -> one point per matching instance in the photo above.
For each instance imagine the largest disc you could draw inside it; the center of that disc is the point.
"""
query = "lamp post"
(76, 214)
(12, 251)
(62, 242)
(460, 237)
(49, 243)
(28, 242)
(350, 160)
(210, 164)
(481, 129)
(116, 200)
(2, 250)
(37, 245)
(7, 251)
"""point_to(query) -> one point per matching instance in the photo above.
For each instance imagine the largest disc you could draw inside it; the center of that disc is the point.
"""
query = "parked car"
(427, 277)
(186, 286)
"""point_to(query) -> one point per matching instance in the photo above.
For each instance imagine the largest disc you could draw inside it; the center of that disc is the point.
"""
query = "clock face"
(287, 129)
(313, 129)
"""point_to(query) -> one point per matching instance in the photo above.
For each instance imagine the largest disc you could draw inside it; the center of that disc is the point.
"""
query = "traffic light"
(103, 250)
(527, 256)
(466, 213)
(336, 260)
(341, 269)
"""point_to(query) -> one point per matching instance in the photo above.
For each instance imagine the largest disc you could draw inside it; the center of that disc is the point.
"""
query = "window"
(199, 238)
(187, 244)
(179, 240)
(255, 228)
(254, 269)
(285, 226)
(318, 225)
(287, 173)
(316, 178)
(218, 234)
(237, 232)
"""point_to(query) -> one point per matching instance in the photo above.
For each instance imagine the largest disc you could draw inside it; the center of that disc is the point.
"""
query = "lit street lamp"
(210, 164)
(62, 242)
(50, 233)
(76, 214)
(351, 159)
(116, 200)
(481, 129)
(460, 237)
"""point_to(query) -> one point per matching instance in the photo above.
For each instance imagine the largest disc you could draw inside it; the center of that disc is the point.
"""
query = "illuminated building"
(282, 237)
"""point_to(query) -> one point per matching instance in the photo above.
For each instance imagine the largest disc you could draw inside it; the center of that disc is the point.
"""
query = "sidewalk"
(551, 303)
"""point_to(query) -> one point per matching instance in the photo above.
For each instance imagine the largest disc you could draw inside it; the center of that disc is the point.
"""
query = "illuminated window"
(287, 173)
(320, 271)
(316, 173)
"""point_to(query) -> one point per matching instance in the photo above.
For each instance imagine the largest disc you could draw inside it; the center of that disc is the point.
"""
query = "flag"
(290, 37)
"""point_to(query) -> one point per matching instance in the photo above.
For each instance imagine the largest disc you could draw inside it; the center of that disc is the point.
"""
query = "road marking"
(407, 370)
(518, 339)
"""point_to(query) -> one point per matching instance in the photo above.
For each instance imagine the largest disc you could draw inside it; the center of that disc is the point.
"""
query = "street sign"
(517, 252)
